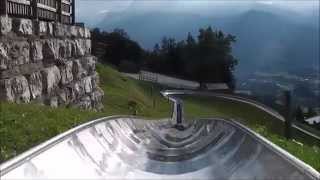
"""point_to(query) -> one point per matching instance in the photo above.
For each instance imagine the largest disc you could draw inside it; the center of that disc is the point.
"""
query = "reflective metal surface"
(133, 148)
(173, 94)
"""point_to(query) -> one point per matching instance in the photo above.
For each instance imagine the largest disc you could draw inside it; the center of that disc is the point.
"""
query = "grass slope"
(120, 91)
(261, 122)
(24, 126)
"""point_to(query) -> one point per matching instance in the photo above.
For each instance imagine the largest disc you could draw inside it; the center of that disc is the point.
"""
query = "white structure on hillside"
(313, 120)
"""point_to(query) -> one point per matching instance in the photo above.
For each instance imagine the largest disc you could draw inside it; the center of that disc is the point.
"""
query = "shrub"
(133, 105)
(128, 67)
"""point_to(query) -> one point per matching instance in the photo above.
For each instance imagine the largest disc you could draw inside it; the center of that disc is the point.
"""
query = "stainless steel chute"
(135, 148)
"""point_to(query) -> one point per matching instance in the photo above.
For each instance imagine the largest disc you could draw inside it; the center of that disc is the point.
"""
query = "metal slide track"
(124, 147)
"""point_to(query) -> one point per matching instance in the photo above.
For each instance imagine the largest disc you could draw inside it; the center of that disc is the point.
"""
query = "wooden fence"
(47, 10)
(148, 76)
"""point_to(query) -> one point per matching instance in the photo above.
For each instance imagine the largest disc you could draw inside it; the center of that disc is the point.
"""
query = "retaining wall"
(47, 62)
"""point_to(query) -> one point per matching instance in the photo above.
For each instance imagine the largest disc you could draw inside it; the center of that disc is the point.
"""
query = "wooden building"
(46, 10)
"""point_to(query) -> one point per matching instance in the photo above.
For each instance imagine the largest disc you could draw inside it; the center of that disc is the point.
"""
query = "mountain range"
(267, 39)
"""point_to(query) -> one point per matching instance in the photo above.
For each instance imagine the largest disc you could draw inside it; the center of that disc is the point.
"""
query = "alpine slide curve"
(127, 147)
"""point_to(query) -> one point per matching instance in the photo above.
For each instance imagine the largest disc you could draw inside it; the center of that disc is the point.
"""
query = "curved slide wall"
(128, 147)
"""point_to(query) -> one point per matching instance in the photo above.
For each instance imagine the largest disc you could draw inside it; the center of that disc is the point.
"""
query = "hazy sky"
(93, 10)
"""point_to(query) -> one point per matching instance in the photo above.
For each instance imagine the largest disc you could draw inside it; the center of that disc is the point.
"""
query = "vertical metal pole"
(288, 119)
(34, 7)
(178, 114)
(59, 10)
(3, 7)
(73, 12)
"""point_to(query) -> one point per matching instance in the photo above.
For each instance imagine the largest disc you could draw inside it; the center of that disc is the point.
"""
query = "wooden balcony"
(47, 10)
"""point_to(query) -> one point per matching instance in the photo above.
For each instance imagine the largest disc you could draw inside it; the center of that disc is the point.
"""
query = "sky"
(91, 11)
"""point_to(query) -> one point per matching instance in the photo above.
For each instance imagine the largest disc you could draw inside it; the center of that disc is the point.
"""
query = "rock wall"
(47, 62)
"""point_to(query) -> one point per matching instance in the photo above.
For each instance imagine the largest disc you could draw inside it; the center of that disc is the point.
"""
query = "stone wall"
(47, 62)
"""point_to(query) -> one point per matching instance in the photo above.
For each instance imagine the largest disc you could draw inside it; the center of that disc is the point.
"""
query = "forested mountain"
(205, 59)
(270, 42)
(266, 41)
(149, 28)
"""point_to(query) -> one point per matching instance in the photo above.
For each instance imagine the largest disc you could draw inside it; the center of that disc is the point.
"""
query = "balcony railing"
(47, 10)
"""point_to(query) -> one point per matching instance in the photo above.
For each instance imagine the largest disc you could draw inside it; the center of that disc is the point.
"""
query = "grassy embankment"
(24, 126)
(261, 122)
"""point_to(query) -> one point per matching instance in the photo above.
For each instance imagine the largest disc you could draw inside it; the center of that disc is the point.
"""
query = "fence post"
(288, 119)
(34, 7)
(59, 10)
(3, 7)
(73, 12)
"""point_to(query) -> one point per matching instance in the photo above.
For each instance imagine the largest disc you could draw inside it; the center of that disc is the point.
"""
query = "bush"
(128, 67)
(133, 106)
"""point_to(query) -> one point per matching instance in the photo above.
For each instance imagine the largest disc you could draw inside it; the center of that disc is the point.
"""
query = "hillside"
(24, 126)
